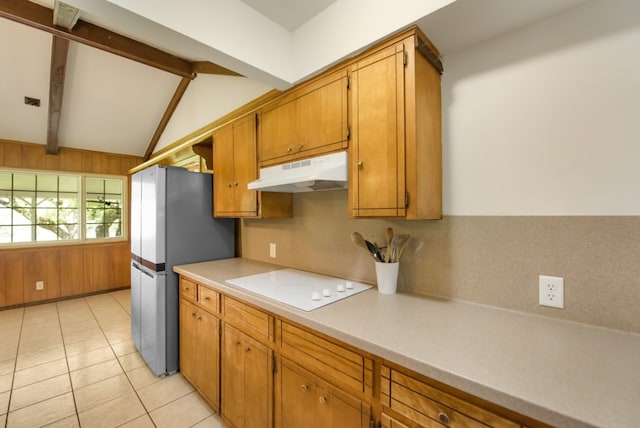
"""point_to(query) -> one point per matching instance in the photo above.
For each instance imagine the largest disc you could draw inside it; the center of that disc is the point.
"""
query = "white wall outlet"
(551, 291)
(272, 250)
(39, 285)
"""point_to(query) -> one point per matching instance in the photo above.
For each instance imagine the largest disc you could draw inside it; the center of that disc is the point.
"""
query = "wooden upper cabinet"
(235, 166)
(307, 122)
(395, 151)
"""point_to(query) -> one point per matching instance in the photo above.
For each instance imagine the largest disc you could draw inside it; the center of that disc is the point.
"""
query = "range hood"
(326, 172)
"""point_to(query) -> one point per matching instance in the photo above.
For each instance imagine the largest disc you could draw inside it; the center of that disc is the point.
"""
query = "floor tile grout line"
(124, 371)
(15, 365)
(66, 358)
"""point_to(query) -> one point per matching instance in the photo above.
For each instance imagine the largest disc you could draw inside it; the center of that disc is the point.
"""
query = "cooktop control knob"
(315, 295)
(340, 288)
(326, 292)
(349, 285)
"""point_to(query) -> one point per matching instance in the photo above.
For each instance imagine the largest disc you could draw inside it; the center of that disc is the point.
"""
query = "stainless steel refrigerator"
(171, 223)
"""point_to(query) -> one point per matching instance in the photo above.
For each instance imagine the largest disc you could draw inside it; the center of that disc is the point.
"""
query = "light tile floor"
(73, 363)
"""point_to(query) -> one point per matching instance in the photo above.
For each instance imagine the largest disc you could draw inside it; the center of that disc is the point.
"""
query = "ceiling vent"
(32, 101)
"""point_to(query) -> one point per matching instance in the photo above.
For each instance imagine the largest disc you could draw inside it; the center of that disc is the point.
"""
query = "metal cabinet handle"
(305, 388)
(443, 417)
(300, 146)
(235, 184)
(238, 343)
(186, 288)
(289, 150)
(247, 350)
(322, 400)
(206, 299)
(199, 317)
(193, 314)
(360, 164)
(229, 185)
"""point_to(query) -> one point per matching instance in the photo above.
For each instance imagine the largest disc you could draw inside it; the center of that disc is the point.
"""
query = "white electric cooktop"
(302, 290)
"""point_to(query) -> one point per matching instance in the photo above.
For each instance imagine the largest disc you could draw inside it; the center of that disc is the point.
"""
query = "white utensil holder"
(387, 276)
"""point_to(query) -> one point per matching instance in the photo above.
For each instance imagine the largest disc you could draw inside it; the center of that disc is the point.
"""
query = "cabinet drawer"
(425, 404)
(336, 363)
(251, 321)
(188, 289)
(208, 299)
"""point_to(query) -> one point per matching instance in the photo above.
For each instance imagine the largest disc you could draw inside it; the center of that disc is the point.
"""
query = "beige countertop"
(563, 373)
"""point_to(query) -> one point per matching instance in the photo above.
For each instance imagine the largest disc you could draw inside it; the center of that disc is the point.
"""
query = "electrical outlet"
(39, 285)
(272, 250)
(551, 291)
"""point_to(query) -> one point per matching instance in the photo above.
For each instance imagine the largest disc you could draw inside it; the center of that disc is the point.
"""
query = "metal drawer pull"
(247, 350)
(322, 400)
(305, 388)
(443, 417)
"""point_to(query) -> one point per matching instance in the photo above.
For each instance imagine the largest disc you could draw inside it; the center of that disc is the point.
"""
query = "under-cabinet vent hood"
(326, 172)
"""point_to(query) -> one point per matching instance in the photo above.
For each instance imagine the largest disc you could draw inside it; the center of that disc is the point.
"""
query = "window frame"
(82, 207)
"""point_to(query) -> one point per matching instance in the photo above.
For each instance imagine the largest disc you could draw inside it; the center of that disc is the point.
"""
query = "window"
(47, 207)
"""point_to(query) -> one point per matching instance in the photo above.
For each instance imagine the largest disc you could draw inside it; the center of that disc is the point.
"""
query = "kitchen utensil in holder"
(387, 276)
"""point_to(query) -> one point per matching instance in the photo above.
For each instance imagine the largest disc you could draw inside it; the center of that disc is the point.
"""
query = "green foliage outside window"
(44, 207)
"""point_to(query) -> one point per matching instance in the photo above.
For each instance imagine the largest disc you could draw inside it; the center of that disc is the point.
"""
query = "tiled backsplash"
(483, 259)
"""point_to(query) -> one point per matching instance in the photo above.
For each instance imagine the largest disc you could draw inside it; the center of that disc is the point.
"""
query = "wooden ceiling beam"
(59, 50)
(171, 108)
(206, 67)
(40, 17)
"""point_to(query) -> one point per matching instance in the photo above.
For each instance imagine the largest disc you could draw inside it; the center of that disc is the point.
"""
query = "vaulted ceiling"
(135, 81)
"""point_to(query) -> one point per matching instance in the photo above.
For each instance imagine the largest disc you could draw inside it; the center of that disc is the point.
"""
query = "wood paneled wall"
(67, 270)
(15, 154)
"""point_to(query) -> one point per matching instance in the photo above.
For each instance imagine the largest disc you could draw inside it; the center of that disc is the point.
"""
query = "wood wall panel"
(71, 271)
(15, 154)
(35, 269)
(67, 270)
(52, 262)
(33, 157)
(12, 280)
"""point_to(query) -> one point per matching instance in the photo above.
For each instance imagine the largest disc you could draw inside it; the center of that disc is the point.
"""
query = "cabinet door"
(377, 150)
(278, 129)
(223, 196)
(188, 341)
(208, 358)
(257, 384)
(233, 376)
(297, 398)
(345, 410)
(235, 165)
(245, 165)
(246, 380)
(321, 114)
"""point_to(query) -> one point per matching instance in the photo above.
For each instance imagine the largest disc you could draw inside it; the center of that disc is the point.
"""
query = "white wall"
(545, 120)
(208, 98)
(27, 77)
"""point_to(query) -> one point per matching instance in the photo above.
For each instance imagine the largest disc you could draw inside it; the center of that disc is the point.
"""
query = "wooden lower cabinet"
(304, 400)
(200, 351)
(247, 380)
(266, 371)
(425, 404)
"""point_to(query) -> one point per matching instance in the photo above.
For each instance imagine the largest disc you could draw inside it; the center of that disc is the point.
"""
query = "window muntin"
(46, 207)
(103, 212)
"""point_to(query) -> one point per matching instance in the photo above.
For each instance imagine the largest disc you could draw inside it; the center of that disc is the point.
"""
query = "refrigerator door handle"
(147, 273)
